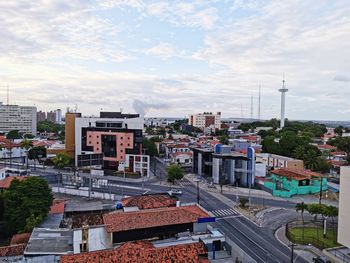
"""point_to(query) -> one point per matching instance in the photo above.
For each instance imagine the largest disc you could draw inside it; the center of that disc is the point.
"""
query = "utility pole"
(198, 192)
(292, 255)
(320, 199)
(251, 107)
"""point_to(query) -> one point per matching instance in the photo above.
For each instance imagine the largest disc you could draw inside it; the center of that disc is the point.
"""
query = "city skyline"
(176, 58)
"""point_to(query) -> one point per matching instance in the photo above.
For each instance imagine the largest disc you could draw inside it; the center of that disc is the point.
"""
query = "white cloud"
(163, 50)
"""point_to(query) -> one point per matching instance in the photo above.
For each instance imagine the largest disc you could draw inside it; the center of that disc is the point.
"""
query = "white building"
(344, 207)
(21, 118)
(206, 119)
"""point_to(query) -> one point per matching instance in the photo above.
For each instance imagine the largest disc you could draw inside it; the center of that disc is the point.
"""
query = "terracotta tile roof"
(92, 219)
(338, 153)
(5, 183)
(20, 238)
(141, 252)
(116, 222)
(337, 163)
(296, 175)
(326, 147)
(11, 251)
(149, 201)
(57, 207)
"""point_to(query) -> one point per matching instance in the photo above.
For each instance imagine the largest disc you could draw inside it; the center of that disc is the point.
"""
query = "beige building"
(278, 161)
(206, 119)
(21, 118)
(344, 207)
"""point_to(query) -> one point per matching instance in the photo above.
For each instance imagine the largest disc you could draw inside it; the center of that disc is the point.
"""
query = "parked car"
(321, 260)
(175, 192)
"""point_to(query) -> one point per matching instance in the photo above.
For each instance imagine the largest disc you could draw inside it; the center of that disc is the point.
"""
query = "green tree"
(342, 143)
(60, 161)
(150, 147)
(332, 212)
(224, 139)
(301, 207)
(24, 199)
(339, 130)
(321, 165)
(175, 172)
(26, 145)
(12, 135)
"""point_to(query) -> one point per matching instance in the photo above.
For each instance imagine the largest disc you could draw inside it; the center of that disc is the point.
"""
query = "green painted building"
(286, 183)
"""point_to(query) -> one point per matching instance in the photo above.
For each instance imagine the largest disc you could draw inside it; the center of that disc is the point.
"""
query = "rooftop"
(116, 221)
(20, 238)
(5, 183)
(296, 175)
(143, 252)
(12, 250)
(57, 206)
(45, 241)
(87, 205)
(149, 201)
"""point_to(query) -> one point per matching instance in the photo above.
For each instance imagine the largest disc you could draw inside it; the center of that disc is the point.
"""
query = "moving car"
(321, 260)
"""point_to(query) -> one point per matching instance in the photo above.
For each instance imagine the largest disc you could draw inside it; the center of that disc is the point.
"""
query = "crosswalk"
(224, 212)
(185, 183)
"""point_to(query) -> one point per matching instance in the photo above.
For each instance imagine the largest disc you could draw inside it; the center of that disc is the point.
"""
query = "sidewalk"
(263, 194)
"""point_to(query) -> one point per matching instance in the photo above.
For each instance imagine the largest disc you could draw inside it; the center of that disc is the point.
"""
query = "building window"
(121, 138)
(121, 151)
(98, 142)
(121, 144)
(89, 142)
(97, 149)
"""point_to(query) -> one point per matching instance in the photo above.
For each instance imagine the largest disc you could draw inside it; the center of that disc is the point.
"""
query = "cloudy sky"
(173, 58)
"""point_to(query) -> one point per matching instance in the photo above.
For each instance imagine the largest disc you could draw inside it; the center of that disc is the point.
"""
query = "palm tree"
(26, 145)
(301, 207)
(332, 211)
(60, 161)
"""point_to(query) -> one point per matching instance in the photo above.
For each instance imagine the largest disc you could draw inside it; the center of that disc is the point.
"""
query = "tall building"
(40, 116)
(58, 113)
(344, 207)
(51, 116)
(113, 134)
(21, 118)
(205, 120)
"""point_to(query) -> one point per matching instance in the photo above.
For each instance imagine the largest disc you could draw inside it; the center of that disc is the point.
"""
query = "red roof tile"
(149, 201)
(20, 238)
(326, 146)
(11, 251)
(338, 153)
(295, 175)
(141, 252)
(116, 221)
(57, 207)
(5, 183)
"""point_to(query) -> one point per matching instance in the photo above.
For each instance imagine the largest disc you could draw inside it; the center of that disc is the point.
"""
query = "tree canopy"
(48, 126)
(150, 146)
(175, 172)
(26, 204)
(37, 153)
(61, 160)
(14, 134)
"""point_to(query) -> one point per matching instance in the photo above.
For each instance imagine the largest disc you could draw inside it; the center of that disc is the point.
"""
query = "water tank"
(217, 148)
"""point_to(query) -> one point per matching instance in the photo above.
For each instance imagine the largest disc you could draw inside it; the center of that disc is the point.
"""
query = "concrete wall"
(344, 207)
(83, 192)
(99, 239)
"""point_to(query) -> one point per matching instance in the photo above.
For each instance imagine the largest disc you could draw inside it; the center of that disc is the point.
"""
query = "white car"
(175, 192)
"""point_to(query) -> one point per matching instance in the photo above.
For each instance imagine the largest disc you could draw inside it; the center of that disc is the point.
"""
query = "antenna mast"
(251, 107)
(8, 95)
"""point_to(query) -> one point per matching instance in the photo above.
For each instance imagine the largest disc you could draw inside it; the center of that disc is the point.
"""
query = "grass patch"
(310, 236)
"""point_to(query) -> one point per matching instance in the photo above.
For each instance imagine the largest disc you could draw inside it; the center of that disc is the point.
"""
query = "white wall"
(99, 239)
(344, 207)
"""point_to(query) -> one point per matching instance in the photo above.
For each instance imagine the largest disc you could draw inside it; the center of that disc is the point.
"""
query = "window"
(97, 149)
(121, 151)
(121, 144)
(98, 142)
(121, 138)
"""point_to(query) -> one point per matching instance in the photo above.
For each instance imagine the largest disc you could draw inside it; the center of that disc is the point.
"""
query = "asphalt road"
(258, 242)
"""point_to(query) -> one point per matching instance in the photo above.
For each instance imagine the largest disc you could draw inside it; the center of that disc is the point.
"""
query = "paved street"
(259, 242)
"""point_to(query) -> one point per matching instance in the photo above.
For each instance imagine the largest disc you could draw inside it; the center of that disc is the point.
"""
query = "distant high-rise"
(283, 91)
(58, 113)
(206, 119)
(40, 116)
(51, 116)
(21, 118)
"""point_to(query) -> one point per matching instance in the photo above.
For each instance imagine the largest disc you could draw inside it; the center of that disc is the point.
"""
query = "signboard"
(206, 220)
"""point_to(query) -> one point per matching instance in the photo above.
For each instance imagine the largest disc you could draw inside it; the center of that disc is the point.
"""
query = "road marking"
(224, 212)
(226, 217)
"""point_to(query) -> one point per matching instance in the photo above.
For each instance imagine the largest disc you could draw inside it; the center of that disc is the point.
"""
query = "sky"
(175, 58)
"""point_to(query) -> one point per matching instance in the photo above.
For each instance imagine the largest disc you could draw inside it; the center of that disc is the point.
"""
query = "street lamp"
(197, 180)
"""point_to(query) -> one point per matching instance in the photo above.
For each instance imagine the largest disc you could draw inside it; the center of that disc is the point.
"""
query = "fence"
(306, 238)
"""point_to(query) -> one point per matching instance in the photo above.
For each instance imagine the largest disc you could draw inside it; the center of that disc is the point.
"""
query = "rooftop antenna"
(75, 108)
(259, 103)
